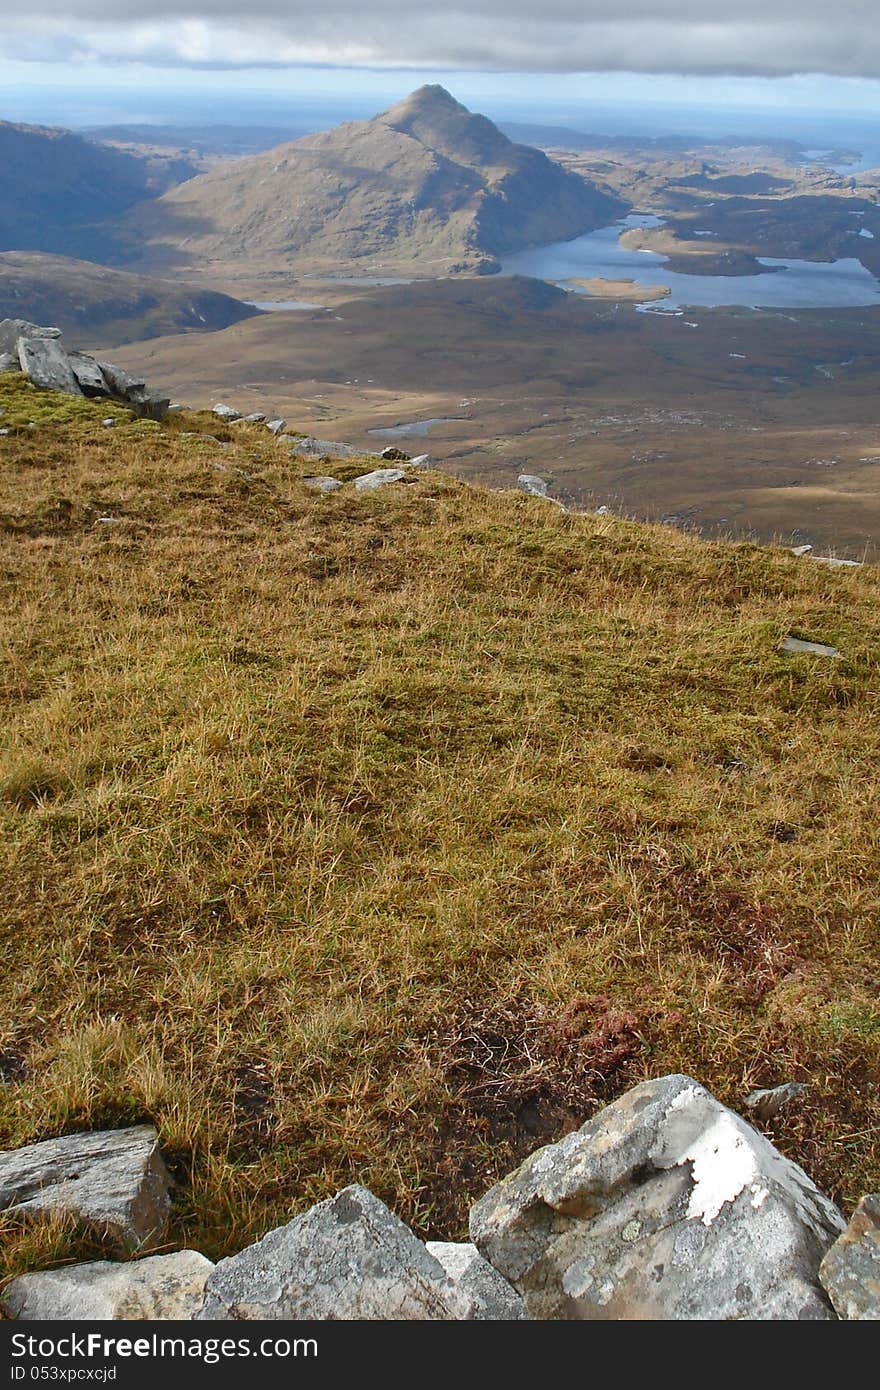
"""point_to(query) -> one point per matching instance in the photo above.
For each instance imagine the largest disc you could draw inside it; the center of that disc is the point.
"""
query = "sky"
(68, 61)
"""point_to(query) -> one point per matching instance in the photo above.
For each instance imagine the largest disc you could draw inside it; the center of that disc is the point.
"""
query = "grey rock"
(479, 1289)
(163, 1287)
(380, 477)
(109, 423)
(88, 374)
(121, 383)
(324, 448)
(5, 432)
(133, 391)
(276, 427)
(348, 1258)
(850, 1272)
(834, 564)
(666, 1205)
(801, 550)
(602, 511)
(226, 412)
(536, 487)
(113, 1179)
(45, 362)
(796, 645)
(420, 461)
(764, 1104)
(257, 418)
(9, 362)
(320, 483)
(13, 329)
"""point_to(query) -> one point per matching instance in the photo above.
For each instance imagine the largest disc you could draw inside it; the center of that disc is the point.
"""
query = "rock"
(5, 432)
(276, 427)
(850, 1272)
(9, 362)
(666, 1205)
(88, 374)
(380, 477)
(395, 455)
(536, 487)
(226, 412)
(166, 1287)
(767, 1103)
(321, 484)
(833, 563)
(109, 423)
(801, 550)
(257, 418)
(348, 1258)
(13, 329)
(420, 461)
(797, 645)
(480, 1289)
(113, 1179)
(602, 511)
(134, 392)
(45, 362)
(324, 448)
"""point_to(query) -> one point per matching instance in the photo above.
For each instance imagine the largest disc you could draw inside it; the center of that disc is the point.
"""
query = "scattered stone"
(801, 550)
(13, 329)
(158, 1287)
(276, 427)
(766, 1103)
(9, 362)
(480, 1291)
(380, 477)
(833, 563)
(665, 1205)
(394, 455)
(420, 461)
(226, 412)
(113, 1179)
(536, 487)
(322, 484)
(602, 511)
(45, 362)
(5, 432)
(348, 1258)
(109, 423)
(324, 448)
(797, 645)
(850, 1272)
(257, 418)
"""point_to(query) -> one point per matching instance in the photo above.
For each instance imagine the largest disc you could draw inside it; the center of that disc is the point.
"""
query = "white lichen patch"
(723, 1164)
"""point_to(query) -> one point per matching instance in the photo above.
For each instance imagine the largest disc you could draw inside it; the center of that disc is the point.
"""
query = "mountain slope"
(66, 188)
(106, 306)
(426, 186)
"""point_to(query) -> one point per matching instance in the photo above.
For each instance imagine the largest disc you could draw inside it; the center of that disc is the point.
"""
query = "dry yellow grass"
(384, 836)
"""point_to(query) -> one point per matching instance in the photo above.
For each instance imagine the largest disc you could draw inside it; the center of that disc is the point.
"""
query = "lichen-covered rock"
(89, 376)
(534, 486)
(13, 329)
(9, 362)
(850, 1272)
(380, 477)
(227, 412)
(665, 1205)
(347, 1258)
(167, 1287)
(113, 1179)
(479, 1290)
(45, 362)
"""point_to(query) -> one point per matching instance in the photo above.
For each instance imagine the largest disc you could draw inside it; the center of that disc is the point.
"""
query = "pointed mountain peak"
(430, 101)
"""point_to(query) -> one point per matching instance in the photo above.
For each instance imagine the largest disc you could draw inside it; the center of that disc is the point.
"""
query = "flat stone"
(113, 1179)
(348, 1258)
(834, 564)
(797, 645)
(850, 1272)
(380, 477)
(88, 374)
(276, 427)
(766, 1103)
(256, 418)
(319, 483)
(480, 1290)
(226, 412)
(45, 362)
(121, 383)
(13, 329)
(160, 1287)
(666, 1205)
(325, 448)
(800, 550)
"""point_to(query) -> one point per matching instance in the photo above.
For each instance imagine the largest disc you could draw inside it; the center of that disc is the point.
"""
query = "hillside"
(426, 188)
(386, 835)
(99, 306)
(65, 188)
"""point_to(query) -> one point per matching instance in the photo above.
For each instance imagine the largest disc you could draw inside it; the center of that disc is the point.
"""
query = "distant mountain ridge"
(426, 187)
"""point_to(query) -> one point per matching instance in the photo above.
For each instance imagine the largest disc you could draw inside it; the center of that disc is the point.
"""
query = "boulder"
(88, 374)
(348, 1258)
(257, 418)
(850, 1272)
(158, 1287)
(380, 477)
(45, 362)
(319, 483)
(797, 646)
(799, 551)
(666, 1205)
(13, 329)
(394, 455)
(480, 1291)
(420, 461)
(226, 412)
(324, 448)
(276, 427)
(134, 392)
(9, 362)
(113, 1179)
(766, 1103)
(536, 487)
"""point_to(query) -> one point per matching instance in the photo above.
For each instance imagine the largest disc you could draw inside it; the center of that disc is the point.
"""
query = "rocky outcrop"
(158, 1287)
(850, 1272)
(666, 1205)
(40, 354)
(113, 1179)
(380, 477)
(478, 1290)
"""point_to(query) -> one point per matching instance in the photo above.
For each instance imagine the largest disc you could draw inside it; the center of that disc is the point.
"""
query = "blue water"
(282, 305)
(416, 429)
(789, 284)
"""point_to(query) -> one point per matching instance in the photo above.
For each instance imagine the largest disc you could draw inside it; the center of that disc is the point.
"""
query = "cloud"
(701, 37)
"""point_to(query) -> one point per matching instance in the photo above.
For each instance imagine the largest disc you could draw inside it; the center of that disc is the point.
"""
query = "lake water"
(281, 305)
(418, 429)
(789, 284)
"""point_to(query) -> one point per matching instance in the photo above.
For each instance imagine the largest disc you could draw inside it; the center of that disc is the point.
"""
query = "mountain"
(107, 307)
(66, 188)
(426, 187)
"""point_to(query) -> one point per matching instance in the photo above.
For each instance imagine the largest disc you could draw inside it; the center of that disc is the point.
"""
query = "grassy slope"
(385, 836)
